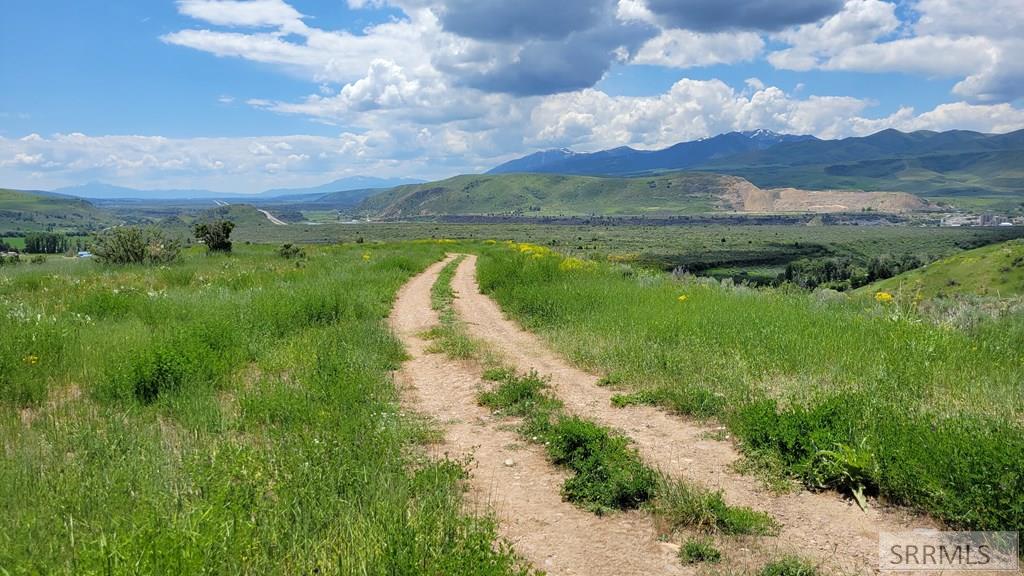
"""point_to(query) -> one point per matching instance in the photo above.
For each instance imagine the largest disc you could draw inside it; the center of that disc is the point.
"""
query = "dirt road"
(273, 219)
(821, 526)
(553, 535)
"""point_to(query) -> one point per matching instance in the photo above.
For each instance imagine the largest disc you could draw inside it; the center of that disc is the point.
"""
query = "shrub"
(216, 235)
(699, 550)
(290, 251)
(134, 245)
(789, 566)
(9, 260)
(38, 259)
(681, 504)
(608, 473)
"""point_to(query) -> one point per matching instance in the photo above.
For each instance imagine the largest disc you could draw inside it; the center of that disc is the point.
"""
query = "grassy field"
(224, 414)
(857, 395)
(15, 241)
(996, 270)
(739, 252)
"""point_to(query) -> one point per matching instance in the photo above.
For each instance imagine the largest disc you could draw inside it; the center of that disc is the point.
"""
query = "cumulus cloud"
(978, 41)
(320, 55)
(521, 48)
(593, 120)
(717, 15)
(691, 109)
(251, 13)
(542, 67)
(251, 164)
(686, 49)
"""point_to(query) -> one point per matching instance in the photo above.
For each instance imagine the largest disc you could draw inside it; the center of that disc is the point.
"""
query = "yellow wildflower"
(31, 359)
(683, 298)
(883, 297)
(570, 264)
(366, 256)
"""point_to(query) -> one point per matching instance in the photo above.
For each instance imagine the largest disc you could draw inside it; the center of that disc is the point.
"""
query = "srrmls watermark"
(948, 551)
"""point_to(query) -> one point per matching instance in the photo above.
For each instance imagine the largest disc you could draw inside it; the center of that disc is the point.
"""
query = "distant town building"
(992, 220)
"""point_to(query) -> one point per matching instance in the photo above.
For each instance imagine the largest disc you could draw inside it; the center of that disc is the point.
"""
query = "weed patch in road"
(697, 550)
(608, 473)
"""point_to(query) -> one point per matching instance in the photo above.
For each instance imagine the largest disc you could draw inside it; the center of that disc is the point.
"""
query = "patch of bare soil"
(820, 526)
(553, 535)
(750, 198)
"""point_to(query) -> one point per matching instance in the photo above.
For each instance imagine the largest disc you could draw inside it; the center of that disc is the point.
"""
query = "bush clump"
(216, 234)
(135, 245)
(699, 550)
(291, 251)
(789, 566)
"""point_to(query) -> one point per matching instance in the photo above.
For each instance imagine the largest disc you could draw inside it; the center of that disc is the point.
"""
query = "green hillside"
(22, 212)
(966, 169)
(550, 194)
(996, 270)
(250, 224)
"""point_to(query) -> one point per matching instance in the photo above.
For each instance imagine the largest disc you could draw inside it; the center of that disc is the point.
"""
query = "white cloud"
(993, 118)
(992, 18)
(928, 55)
(593, 120)
(859, 23)
(686, 49)
(322, 55)
(980, 41)
(248, 13)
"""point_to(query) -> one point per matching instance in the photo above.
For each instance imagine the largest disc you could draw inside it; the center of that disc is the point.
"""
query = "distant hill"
(358, 185)
(34, 211)
(675, 193)
(996, 270)
(628, 161)
(103, 191)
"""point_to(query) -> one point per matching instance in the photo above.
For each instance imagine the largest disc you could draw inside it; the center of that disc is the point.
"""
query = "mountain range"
(104, 191)
(970, 169)
(625, 161)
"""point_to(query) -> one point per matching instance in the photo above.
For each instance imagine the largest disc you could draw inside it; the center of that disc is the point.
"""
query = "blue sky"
(242, 95)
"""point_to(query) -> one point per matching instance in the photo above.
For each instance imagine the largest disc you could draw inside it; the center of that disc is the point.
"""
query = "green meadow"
(224, 414)
(853, 394)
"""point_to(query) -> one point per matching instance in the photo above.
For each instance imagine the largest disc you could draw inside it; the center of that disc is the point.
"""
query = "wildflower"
(31, 359)
(683, 298)
(570, 264)
(883, 297)
(366, 256)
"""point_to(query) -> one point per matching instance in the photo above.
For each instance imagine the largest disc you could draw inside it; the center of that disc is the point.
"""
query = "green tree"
(45, 243)
(216, 235)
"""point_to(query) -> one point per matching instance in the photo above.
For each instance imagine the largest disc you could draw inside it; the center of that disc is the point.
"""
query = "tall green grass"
(853, 395)
(227, 414)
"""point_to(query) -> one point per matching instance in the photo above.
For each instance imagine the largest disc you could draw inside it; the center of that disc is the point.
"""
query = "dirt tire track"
(553, 535)
(821, 526)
